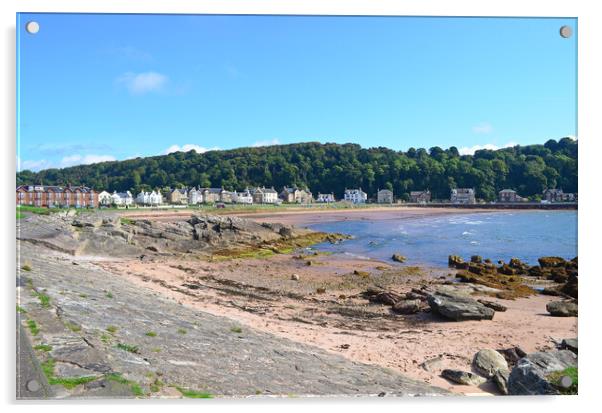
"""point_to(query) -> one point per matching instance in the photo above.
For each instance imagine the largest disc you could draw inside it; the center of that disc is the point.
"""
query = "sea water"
(429, 240)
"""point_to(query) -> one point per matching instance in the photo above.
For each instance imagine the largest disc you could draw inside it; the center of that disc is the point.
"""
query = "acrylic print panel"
(222, 206)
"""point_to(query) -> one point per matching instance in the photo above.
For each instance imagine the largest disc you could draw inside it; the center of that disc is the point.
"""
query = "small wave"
(473, 222)
(474, 243)
(467, 233)
(351, 254)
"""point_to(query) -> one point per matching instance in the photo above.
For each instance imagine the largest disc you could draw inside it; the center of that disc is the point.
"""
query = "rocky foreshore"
(149, 308)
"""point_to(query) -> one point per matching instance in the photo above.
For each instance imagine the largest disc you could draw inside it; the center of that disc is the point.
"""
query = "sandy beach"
(320, 304)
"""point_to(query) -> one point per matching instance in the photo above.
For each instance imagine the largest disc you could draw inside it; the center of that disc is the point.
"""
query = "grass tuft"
(26, 267)
(66, 382)
(193, 394)
(112, 329)
(43, 347)
(118, 378)
(236, 330)
(44, 299)
(128, 347)
(21, 309)
(33, 327)
(181, 331)
(151, 334)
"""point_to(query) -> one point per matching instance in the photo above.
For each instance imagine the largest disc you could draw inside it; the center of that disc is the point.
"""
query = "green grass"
(109, 294)
(43, 347)
(156, 350)
(21, 309)
(156, 386)
(236, 330)
(126, 221)
(112, 329)
(66, 382)
(44, 299)
(26, 267)
(33, 327)
(151, 334)
(128, 347)
(181, 331)
(571, 372)
(35, 210)
(134, 387)
(193, 394)
(20, 215)
(105, 339)
(82, 295)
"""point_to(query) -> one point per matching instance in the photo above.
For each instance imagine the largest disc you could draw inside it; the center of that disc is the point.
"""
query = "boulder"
(295, 277)
(500, 378)
(407, 306)
(456, 261)
(493, 305)
(463, 377)
(387, 298)
(458, 307)
(512, 355)
(477, 259)
(529, 376)
(550, 262)
(562, 309)
(487, 362)
(398, 258)
(569, 344)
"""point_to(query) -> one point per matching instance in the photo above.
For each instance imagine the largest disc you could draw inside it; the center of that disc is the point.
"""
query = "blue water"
(526, 235)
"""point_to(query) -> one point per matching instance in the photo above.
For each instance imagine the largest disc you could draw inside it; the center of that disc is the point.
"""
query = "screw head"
(33, 385)
(32, 27)
(566, 31)
(566, 382)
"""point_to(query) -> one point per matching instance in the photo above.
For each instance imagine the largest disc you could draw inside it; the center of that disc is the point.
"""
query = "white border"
(590, 37)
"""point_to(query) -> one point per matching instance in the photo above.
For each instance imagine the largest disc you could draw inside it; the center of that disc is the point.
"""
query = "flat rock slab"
(458, 307)
(188, 349)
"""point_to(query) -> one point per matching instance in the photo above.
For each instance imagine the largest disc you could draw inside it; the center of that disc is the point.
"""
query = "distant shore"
(313, 215)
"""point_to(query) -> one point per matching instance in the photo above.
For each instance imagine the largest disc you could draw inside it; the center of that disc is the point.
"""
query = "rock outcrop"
(463, 377)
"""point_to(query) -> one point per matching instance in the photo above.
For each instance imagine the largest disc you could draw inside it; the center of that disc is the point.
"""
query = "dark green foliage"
(332, 168)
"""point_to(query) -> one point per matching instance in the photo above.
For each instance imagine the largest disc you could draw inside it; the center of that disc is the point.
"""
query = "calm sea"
(527, 235)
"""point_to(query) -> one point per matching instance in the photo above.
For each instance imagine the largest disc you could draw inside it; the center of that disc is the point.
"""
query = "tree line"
(330, 167)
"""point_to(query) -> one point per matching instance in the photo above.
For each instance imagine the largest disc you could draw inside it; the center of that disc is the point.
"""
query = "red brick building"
(57, 196)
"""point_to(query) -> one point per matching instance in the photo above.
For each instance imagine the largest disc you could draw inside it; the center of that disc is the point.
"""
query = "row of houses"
(84, 197)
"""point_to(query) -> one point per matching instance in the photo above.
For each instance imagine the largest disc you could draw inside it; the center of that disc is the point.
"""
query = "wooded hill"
(333, 167)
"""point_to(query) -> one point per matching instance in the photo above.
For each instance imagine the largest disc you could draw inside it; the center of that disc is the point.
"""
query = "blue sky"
(104, 87)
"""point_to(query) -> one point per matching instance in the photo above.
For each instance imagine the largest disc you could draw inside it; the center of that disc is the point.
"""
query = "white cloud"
(85, 160)
(266, 143)
(471, 150)
(482, 128)
(140, 83)
(188, 147)
(33, 165)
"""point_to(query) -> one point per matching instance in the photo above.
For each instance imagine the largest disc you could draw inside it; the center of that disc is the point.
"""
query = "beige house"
(264, 195)
(384, 196)
(295, 195)
(178, 197)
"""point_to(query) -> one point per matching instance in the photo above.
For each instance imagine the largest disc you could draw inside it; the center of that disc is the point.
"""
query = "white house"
(122, 198)
(325, 198)
(104, 198)
(195, 196)
(149, 198)
(243, 197)
(356, 196)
